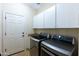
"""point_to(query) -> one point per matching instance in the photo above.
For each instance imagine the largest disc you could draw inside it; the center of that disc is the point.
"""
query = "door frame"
(4, 30)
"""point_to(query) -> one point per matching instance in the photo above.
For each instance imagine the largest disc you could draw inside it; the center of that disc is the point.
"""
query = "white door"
(14, 33)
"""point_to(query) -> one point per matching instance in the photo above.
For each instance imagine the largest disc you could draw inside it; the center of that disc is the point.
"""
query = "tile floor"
(23, 53)
(31, 52)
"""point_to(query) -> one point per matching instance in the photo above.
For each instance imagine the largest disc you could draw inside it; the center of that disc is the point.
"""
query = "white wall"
(0, 27)
(44, 6)
(20, 9)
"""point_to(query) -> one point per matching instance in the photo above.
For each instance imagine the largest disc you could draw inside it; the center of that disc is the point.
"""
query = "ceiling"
(37, 5)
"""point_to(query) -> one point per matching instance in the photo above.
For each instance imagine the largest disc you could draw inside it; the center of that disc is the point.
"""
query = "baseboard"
(33, 47)
(16, 53)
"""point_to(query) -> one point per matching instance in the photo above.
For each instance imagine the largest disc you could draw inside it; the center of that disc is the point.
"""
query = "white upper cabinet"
(67, 15)
(58, 16)
(45, 19)
(38, 21)
(49, 18)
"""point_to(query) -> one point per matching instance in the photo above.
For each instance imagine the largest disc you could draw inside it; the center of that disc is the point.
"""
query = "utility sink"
(37, 36)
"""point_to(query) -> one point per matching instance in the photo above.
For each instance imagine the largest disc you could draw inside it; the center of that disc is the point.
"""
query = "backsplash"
(70, 32)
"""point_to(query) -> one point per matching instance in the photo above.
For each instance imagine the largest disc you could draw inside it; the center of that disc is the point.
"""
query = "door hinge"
(5, 17)
(5, 50)
(5, 33)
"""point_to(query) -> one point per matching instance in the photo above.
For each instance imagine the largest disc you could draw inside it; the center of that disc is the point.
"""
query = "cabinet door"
(67, 15)
(49, 18)
(38, 21)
